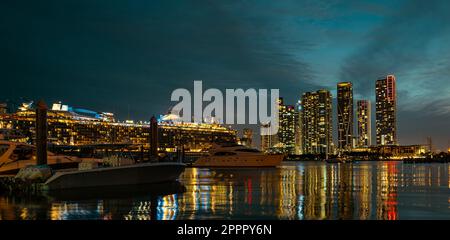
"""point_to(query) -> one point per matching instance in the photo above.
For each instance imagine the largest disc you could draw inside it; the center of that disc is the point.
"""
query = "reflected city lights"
(308, 190)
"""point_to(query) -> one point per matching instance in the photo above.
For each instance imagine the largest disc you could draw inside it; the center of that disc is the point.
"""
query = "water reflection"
(365, 190)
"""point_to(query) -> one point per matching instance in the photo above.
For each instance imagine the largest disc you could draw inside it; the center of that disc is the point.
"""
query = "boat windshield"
(247, 150)
(3, 149)
(230, 145)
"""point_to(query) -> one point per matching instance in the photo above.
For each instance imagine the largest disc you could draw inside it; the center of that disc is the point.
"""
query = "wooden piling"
(41, 133)
(153, 153)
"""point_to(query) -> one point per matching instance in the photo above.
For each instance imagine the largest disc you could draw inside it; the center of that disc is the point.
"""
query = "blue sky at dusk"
(128, 56)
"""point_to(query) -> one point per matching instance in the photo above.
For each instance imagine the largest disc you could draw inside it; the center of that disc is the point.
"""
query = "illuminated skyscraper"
(286, 132)
(309, 122)
(298, 128)
(364, 123)
(317, 122)
(386, 111)
(247, 137)
(345, 115)
(268, 139)
(3, 108)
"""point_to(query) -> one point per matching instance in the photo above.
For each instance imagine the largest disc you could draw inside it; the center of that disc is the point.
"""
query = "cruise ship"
(233, 155)
(73, 126)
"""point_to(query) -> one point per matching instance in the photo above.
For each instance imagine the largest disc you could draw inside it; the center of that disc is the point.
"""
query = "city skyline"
(340, 111)
(127, 57)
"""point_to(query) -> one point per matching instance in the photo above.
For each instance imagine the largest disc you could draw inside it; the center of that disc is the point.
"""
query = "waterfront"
(306, 190)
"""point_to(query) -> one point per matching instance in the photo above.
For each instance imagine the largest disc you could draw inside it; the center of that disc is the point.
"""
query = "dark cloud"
(112, 54)
(400, 44)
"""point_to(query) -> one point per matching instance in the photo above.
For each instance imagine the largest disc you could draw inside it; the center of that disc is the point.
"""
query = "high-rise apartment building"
(386, 111)
(286, 131)
(247, 137)
(345, 115)
(268, 138)
(298, 149)
(3, 108)
(317, 128)
(364, 123)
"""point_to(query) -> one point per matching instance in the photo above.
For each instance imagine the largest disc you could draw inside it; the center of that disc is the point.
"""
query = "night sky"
(128, 56)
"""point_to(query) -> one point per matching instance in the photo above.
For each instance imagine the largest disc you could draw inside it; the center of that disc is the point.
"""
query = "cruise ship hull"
(259, 160)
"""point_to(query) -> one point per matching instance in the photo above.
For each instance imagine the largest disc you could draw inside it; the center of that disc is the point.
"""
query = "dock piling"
(153, 138)
(41, 133)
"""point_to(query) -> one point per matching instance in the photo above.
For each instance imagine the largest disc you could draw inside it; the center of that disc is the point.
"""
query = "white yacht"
(237, 156)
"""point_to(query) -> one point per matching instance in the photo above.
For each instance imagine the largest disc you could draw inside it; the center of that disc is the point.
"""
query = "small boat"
(234, 155)
(140, 173)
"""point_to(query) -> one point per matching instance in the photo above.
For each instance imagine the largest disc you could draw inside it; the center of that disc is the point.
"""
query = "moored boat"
(237, 156)
(141, 173)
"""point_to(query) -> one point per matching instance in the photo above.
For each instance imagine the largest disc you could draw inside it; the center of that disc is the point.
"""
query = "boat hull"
(239, 161)
(119, 192)
(144, 173)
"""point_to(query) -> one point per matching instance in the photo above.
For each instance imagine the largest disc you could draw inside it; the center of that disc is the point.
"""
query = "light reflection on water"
(309, 190)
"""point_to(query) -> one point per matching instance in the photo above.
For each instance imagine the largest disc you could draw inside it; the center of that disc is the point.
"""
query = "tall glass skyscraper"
(386, 111)
(286, 132)
(316, 121)
(364, 123)
(345, 115)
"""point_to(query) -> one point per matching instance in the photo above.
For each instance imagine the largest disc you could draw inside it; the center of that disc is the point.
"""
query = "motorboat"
(80, 172)
(139, 173)
(234, 155)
